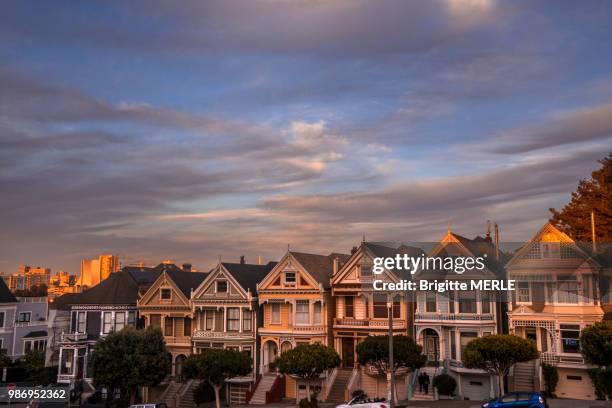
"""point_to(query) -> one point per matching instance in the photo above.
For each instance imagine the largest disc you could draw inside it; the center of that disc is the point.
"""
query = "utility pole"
(390, 374)
(593, 235)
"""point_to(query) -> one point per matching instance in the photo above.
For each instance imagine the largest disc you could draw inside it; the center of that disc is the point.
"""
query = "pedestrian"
(426, 383)
(421, 382)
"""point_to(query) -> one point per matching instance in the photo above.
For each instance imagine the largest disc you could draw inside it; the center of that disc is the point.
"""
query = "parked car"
(362, 401)
(518, 400)
(158, 405)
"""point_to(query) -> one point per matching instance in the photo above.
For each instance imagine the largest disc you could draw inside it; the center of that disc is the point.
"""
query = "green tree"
(596, 343)
(594, 194)
(130, 359)
(307, 362)
(374, 350)
(215, 366)
(497, 353)
(34, 365)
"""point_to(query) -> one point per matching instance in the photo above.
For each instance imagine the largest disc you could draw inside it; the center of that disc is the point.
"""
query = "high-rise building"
(94, 271)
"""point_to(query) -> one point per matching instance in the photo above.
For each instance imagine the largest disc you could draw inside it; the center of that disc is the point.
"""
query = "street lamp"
(390, 374)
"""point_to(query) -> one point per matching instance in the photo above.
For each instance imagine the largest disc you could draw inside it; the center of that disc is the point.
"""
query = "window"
(247, 350)
(567, 289)
(81, 321)
(187, 326)
(586, 284)
(24, 317)
(550, 250)
(524, 295)
(221, 286)
(131, 318)
(275, 318)
(210, 315)
(290, 278)
(349, 308)
(570, 338)
(396, 309)
(302, 312)
(67, 357)
(550, 292)
(168, 326)
(453, 344)
(155, 321)
(366, 267)
(29, 345)
(467, 301)
(119, 321)
(380, 306)
(166, 294)
(486, 302)
(430, 302)
(317, 313)
(107, 322)
(233, 319)
(465, 338)
(1, 319)
(451, 301)
(247, 320)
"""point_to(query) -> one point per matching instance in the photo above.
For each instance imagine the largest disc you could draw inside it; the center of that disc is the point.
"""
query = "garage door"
(574, 383)
(476, 387)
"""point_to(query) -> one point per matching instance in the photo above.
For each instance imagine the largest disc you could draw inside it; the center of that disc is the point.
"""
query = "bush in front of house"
(551, 378)
(445, 384)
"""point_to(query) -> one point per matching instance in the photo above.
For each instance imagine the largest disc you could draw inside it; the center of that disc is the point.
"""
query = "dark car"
(518, 400)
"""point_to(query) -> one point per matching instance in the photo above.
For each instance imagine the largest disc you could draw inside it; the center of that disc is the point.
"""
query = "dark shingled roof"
(186, 280)
(5, 294)
(38, 333)
(120, 288)
(248, 275)
(320, 267)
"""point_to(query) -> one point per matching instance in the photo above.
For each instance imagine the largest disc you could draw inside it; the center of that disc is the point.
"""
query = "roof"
(120, 288)
(320, 267)
(5, 294)
(38, 333)
(388, 251)
(186, 281)
(248, 275)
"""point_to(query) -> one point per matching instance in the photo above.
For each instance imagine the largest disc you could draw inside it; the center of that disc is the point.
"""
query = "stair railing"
(251, 392)
(352, 383)
(275, 394)
(181, 393)
(166, 391)
(328, 382)
(413, 383)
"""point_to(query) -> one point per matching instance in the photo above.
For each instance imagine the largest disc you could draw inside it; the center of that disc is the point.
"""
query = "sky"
(199, 130)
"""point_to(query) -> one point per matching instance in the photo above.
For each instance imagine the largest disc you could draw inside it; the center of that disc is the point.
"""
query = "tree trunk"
(501, 384)
(308, 390)
(217, 397)
(133, 392)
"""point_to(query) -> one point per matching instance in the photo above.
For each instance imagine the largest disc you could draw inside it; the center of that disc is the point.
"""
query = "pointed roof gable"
(5, 294)
(248, 275)
(320, 267)
(186, 281)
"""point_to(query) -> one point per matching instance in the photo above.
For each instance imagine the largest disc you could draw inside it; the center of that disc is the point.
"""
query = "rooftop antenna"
(593, 235)
(288, 247)
(363, 238)
(496, 242)
(449, 228)
(489, 230)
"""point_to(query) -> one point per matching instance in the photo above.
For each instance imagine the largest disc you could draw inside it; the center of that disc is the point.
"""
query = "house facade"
(226, 315)
(557, 296)
(297, 308)
(446, 322)
(166, 305)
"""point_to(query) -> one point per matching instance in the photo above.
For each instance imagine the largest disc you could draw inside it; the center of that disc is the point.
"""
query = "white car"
(364, 402)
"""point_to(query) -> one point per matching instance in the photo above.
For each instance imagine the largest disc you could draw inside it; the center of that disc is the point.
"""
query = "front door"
(348, 352)
(432, 344)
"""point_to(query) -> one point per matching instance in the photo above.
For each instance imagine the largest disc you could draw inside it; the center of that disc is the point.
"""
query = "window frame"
(20, 320)
(302, 317)
(104, 323)
(287, 282)
(168, 324)
(161, 294)
(221, 281)
(247, 316)
(274, 320)
(234, 320)
(349, 306)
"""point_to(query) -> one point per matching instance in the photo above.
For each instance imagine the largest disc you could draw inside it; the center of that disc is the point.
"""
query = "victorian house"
(297, 309)
(362, 311)
(107, 307)
(166, 305)
(445, 322)
(226, 315)
(555, 299)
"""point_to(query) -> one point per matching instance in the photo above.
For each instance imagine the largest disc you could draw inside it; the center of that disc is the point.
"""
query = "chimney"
(259, 260)
(186, 267)
(335, 267)
(242, 259)
(353, 250)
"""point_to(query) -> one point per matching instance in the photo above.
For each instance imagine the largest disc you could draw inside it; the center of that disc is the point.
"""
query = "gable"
(289, 274)
(157, 294)
(220, 284)
(359, 263)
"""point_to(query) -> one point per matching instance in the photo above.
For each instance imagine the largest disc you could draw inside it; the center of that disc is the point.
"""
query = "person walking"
(420, 378)
(426, 383)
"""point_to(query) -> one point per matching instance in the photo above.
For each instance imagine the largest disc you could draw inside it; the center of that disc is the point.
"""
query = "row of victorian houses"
(264, 310)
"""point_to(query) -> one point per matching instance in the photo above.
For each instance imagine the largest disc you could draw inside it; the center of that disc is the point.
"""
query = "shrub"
(304, 403)
(602, 382)
(359, 393)
(445, 384)
(551, 378)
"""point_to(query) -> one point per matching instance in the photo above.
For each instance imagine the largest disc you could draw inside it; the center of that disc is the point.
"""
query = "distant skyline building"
(94, 271)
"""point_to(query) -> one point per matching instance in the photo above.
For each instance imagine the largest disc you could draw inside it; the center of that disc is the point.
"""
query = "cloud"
(564, 128)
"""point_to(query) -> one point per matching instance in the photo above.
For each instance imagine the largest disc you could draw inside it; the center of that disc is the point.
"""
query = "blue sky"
(201, 129)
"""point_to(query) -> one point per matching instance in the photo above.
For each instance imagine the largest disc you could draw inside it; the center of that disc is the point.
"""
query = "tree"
(130, 359)
(596, 343)
(307, 362)
(594, 194)
(374, 350)
(497, 353)
(34, 365)
(215, 366)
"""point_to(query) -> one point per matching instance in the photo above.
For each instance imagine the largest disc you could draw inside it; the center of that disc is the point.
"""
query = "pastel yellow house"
(297, 308)
(556, 298)
(166, 305)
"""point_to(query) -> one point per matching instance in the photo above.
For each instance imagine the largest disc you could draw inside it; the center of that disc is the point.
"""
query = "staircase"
(259, 397)
(336, 393)
(169, 396)
(524, 374)
(419, 395)
(185, 396)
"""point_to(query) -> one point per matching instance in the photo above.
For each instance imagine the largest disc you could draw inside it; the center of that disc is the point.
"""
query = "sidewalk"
(552, 402)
